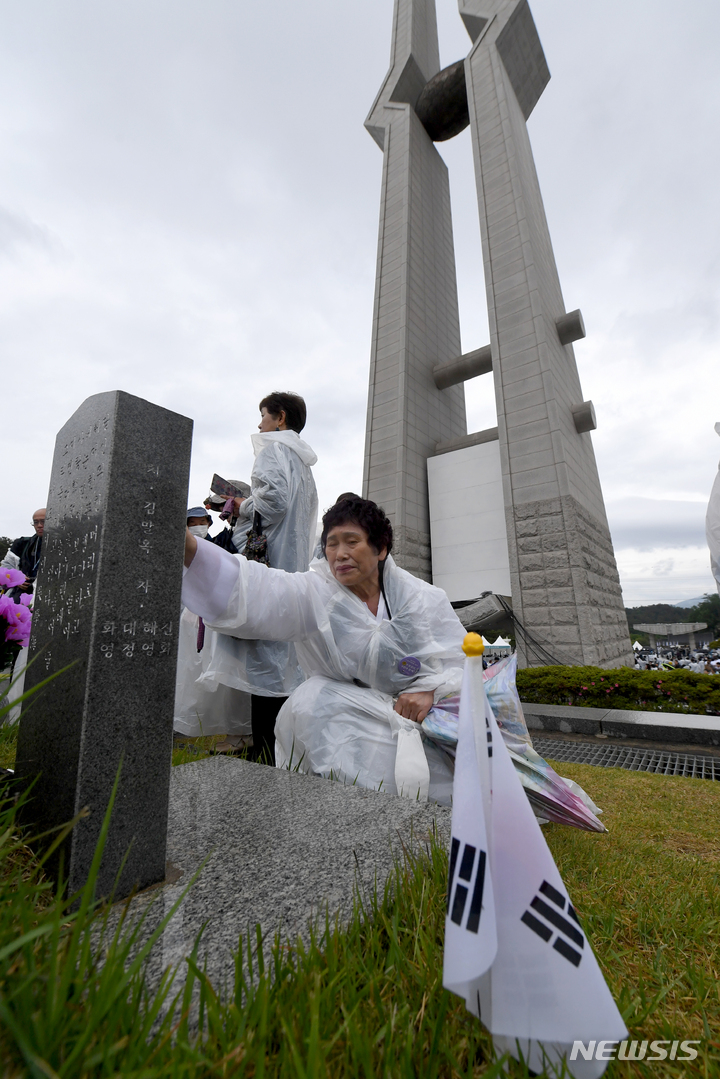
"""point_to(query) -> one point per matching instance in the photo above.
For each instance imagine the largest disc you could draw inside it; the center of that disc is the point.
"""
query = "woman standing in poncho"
(283, 494)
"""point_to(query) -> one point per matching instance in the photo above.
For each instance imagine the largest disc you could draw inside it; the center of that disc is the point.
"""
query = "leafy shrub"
(623, 687)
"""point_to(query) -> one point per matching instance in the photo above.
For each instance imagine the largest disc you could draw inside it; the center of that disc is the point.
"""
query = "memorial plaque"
(108, 602)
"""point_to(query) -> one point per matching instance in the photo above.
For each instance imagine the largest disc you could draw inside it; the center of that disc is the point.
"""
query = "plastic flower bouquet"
(15, 617)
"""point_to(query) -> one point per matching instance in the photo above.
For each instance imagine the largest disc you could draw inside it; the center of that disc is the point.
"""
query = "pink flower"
(26, 600)
(11, 577)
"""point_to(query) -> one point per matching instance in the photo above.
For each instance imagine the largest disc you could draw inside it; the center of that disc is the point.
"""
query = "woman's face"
(268, 422)
(353, 561)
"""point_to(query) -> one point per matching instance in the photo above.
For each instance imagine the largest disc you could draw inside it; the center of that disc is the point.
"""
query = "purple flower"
(26, 600)
(11, 577)
(18, 619)
(18, 633)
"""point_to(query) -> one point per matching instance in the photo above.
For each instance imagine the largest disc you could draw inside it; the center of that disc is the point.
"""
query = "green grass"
(206, 745)
(367, 1000)
(8, 745)
(649, 896)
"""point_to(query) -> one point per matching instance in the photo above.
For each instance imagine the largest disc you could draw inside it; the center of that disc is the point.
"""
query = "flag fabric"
(470, 933)
(522, 961)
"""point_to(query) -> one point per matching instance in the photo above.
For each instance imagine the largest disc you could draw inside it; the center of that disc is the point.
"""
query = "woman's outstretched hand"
(414, 706)
(190, 547)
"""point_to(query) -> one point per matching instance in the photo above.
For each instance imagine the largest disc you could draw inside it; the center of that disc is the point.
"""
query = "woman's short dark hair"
(291, 404)
(352, 509)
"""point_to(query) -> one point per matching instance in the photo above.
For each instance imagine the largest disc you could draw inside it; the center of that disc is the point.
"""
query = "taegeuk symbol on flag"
(514, 947)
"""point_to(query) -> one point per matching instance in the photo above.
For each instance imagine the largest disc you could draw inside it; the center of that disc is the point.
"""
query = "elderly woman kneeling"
(378, 647)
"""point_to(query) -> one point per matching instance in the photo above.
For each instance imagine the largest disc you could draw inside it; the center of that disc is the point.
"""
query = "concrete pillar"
(565, 584)
(415, 320)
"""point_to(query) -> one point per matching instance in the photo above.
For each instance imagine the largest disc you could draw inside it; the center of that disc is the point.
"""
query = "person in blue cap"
(198, 522)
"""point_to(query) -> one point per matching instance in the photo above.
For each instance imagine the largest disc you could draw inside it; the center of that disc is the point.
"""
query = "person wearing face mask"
(202, 710)
(283, 495)
(198, 522)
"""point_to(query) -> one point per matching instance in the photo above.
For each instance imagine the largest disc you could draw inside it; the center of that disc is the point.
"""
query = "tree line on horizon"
(708, 610)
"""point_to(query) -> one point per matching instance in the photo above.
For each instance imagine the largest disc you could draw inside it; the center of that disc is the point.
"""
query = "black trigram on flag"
(570, 930)
(489, 736)
(467, 875)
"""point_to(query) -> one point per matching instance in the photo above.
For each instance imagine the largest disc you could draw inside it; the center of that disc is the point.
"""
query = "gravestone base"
(281, 849)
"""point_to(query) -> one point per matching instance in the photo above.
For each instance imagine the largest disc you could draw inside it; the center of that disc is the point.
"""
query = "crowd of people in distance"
(703, 661)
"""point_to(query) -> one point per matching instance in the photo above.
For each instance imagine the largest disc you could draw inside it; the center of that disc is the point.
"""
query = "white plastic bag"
(412, 772)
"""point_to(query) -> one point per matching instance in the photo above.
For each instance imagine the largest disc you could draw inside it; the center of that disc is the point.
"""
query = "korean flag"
(514, 946)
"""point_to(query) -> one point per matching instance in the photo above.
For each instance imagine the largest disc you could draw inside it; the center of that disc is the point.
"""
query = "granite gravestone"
(108, 602)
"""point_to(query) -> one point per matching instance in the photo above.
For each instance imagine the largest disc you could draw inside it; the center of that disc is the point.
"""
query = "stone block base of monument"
(280, 849)
(662, 728)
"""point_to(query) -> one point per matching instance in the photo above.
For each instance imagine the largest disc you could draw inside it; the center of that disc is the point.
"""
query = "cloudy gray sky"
(188, 211)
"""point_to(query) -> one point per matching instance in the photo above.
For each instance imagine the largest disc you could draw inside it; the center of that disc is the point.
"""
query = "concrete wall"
(467, 522)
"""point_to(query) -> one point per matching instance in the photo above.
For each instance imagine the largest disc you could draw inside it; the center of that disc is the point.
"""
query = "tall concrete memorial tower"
(516, 510)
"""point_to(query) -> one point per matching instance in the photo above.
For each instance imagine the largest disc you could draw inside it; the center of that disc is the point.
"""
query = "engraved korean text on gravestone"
(108, 600)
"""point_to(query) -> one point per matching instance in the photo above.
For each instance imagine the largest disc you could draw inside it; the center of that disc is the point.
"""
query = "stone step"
(280, 849)
(619, 723)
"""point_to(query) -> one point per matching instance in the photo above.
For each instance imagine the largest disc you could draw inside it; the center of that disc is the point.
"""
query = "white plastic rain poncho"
(712, 525)
(341, 721)
(205, 709)
(283, 493)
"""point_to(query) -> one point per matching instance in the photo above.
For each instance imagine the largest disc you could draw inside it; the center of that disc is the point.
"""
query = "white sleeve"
(248, 600)
(209, 581)
(10, 561)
